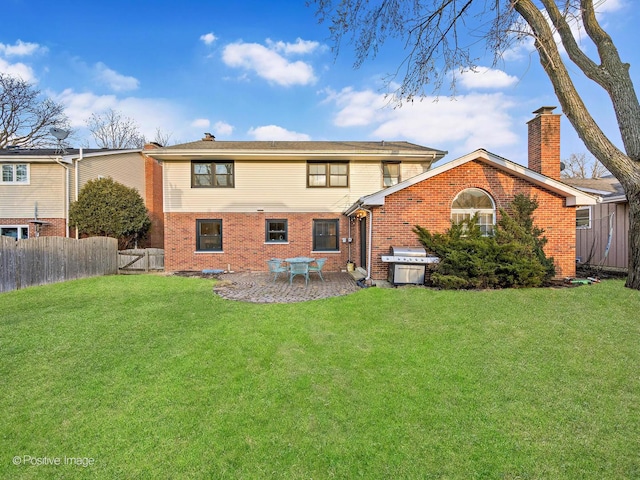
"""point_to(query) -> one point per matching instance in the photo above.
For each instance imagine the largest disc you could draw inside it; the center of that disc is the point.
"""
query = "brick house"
(234, 205)
(479, 182)
(38, 186)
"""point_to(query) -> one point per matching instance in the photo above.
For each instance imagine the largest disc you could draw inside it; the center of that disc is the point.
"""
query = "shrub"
(108, 208)
(512, 257)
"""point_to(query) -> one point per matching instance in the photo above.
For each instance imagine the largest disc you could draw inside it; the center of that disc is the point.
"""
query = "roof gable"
(573, 195)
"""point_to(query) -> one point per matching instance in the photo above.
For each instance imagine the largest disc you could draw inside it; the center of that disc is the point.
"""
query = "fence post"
(146, 260)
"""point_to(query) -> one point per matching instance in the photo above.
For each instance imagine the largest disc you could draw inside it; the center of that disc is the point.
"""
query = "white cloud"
(149, 114)
(274, 132)
(486, 78)
(114, 80)
(461, 125)
(301, 47)
(218, 129)
(222, 129)
(20, 49)
(208, 38)
(201, 123)
(19, 70)
(357, 108)
(606, 6)
(268, 64)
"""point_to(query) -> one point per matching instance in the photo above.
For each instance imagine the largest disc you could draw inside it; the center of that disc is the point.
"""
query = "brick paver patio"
(260, 288)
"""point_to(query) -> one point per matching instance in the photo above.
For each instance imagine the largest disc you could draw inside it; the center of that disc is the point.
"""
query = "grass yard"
(156, 377)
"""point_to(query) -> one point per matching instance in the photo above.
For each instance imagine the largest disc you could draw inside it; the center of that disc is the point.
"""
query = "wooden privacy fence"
(140, 260)
(44, 260)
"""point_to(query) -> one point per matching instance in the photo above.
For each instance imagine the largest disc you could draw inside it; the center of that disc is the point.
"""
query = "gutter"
(77, 182)
(66, 193)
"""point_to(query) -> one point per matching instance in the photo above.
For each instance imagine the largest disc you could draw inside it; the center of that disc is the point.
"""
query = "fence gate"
(140, 260)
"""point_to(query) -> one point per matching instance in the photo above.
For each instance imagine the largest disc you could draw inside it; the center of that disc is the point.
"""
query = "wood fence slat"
(44, 260)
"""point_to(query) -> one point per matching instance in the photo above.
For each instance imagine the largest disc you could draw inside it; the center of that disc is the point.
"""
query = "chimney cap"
(544, 110)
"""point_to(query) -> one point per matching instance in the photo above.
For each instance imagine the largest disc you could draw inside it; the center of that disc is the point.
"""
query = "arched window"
(471, 201)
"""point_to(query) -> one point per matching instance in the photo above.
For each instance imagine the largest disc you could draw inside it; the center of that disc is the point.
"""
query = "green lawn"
(156, 377)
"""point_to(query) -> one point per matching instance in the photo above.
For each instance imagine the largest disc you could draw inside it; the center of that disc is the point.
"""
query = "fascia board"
(187, 155)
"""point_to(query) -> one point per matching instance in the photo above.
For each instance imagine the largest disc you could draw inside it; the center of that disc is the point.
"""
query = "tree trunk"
(633, 196)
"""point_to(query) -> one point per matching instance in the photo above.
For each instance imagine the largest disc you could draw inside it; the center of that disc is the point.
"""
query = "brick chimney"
(544, 142)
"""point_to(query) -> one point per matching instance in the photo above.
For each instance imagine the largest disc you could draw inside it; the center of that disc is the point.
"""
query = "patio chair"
(276, 267)
(299, 268)
(317, 268)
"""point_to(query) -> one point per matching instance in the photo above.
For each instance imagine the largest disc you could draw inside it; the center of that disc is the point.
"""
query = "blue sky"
(256, 70)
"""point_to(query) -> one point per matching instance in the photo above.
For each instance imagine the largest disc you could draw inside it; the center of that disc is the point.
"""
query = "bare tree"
(579, 165)
(25, 116)
(161, 137)
(434, 32)
(113, 130)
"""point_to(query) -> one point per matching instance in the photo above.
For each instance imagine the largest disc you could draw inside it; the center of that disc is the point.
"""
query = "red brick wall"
(153, 201)
(243, 244)
(428, 204)
(56, 227)
(544, 143)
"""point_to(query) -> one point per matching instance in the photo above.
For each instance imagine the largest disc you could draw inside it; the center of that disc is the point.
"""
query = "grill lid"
(408, 252)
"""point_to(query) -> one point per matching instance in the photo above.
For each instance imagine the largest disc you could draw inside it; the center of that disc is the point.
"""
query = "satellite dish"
(59, 133)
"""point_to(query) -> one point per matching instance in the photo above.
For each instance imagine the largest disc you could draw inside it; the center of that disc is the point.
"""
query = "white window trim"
(472, 211)
(15, 226)
(588, 225)
(15, 165)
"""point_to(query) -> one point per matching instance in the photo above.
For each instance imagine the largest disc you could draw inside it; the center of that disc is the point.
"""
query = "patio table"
(299, 271)
(300, 260)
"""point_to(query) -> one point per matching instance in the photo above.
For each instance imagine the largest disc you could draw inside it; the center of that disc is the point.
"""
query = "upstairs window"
(15, 173)
(583, 217)
(390, 173)
(212, 174)
(327, 174)
(471, 202)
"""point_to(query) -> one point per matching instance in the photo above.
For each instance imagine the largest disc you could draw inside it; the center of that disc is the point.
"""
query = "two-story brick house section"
(236, 204)
(37, 187)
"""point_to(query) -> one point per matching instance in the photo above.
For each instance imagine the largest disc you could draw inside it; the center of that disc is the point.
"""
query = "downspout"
(348, 240)
(66, 195)
(77, 184)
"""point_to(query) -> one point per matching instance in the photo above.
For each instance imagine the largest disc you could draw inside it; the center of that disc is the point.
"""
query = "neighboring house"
(602, 230)
(234, 205)
(38, 186)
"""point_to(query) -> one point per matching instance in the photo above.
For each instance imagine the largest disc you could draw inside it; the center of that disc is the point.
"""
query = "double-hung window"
(390, 173)
(15, 173)
(212, 174)
(209, 235)
(325, 235)
(276, 231)
(583, 217)
(327, 174)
